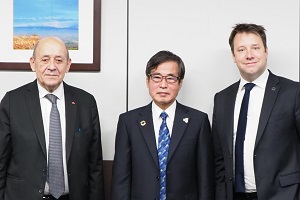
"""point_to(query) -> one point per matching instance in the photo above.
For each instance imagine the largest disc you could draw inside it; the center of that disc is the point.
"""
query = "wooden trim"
(107, 171)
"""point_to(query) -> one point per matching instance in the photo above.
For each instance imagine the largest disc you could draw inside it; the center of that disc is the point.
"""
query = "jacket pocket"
(13, 177)
(190, 197)
(289, 179)
(278, 117)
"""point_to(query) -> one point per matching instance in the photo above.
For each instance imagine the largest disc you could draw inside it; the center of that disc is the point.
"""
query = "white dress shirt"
(46, 106)
(157, 120)
(254, 109)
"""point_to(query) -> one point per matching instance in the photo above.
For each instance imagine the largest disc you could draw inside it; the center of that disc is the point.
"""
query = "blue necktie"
(55, 163)
(163, 148)
(239, 143)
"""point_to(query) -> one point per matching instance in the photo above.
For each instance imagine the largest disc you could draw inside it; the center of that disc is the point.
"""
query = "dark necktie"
(239, 143)
(55, 162)
(163, 148)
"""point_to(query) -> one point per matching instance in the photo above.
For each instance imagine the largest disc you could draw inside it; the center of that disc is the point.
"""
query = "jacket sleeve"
(5, 142)
(121, 172)
(205, 162)
(220, 188)
(96, 185)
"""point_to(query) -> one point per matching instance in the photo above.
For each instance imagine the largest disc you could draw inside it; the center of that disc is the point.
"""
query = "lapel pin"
(273, 88)
(186, 120)
(143, 123)
(73, 103)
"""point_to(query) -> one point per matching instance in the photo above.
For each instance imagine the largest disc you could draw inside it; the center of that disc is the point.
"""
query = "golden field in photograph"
(25, 42)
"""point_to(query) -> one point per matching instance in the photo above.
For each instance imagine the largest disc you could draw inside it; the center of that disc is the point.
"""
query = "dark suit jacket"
(190, 159)
(276, 154)
(23, 160)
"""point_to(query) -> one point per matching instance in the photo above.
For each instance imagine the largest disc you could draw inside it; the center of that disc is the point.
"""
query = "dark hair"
(248, 28)
(165, 56)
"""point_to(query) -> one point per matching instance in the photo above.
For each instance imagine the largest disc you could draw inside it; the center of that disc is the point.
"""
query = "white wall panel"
(198, 32)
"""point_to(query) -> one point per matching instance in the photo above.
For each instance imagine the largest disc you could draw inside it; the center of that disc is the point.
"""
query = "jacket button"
(41, 191)
(157, 178)
(44, 169)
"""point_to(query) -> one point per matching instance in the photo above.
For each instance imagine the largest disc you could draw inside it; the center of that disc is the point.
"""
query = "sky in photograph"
(46, 13)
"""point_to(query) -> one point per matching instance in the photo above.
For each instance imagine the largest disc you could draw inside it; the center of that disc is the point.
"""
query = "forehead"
(51, 48)
(244, 38)
(168, 67)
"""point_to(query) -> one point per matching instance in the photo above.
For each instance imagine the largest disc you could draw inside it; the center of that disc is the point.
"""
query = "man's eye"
(171, 78)
(156, 77)
(44, 60)
(58, 61)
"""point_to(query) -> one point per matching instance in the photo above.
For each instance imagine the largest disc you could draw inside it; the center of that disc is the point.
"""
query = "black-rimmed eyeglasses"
(157, 78)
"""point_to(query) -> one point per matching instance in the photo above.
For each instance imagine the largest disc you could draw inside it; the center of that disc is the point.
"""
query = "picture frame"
(76, 66)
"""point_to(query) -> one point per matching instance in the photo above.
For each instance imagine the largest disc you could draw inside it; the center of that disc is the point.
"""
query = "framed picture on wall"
(76, 22)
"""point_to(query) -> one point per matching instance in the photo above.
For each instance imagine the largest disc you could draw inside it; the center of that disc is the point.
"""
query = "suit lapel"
(271, 92)
(34, 107)
(71, 108)
(229, 112)
(179, 126)
(145, 122)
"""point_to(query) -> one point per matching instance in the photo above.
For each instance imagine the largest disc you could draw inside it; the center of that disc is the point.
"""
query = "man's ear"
(233, 57)
(69, 65)
(147, 81)
(32, 64)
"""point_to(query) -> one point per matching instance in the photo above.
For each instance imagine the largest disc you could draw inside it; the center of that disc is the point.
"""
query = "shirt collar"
(59, 92)
(156, 111)
(260, 82)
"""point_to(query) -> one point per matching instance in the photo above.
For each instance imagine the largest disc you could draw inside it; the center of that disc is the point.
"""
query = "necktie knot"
(249, 86)
(164, 116)
(52, 98)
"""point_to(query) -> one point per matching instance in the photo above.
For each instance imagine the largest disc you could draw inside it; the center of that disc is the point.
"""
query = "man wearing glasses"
(163, 150)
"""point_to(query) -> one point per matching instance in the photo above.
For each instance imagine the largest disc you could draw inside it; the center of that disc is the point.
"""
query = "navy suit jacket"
(190, 169)
(276, 153)
(23, 161)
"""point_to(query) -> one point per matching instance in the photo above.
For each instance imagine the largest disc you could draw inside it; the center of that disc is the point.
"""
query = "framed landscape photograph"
(76, 22)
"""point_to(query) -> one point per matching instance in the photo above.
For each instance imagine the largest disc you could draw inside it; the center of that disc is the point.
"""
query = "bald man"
(29, 155)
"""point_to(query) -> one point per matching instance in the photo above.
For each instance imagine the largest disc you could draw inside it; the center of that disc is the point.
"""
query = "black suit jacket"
(23, 160)
(190, 159)
(276, 154)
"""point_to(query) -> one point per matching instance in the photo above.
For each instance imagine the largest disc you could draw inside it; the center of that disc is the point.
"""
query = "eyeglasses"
(157, 78)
